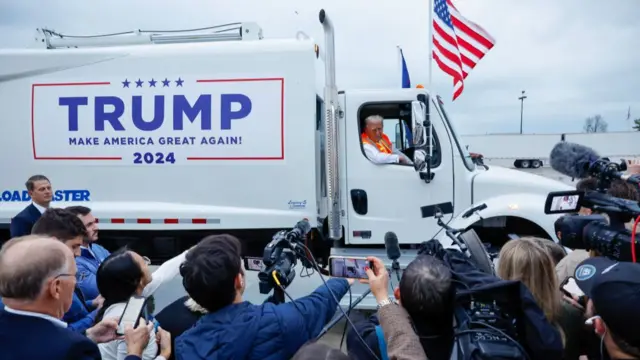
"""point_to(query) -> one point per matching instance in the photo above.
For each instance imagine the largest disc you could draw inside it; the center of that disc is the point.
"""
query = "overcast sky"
(574, 58)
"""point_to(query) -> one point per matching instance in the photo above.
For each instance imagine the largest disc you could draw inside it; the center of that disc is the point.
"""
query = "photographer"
(427, 295)
(213, 276)
(537, 336)
(613, 292)
(618, 189)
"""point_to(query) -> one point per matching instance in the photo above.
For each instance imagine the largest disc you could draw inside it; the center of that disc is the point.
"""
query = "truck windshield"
(466, 157)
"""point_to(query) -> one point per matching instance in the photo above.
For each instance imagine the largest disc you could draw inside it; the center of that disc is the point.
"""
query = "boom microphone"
(573, 160)
(579, 162)
(392, 246)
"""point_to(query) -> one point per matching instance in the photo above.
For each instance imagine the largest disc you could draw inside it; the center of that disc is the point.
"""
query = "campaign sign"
(159, 120)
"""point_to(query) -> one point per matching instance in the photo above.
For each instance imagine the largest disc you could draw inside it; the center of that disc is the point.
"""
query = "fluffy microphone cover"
(572, 159)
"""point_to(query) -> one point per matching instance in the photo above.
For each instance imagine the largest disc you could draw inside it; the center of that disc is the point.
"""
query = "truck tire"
(536, 164)
(525, 164)
(517, 164)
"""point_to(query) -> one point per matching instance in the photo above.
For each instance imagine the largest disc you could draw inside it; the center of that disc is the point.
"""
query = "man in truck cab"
(377, 146)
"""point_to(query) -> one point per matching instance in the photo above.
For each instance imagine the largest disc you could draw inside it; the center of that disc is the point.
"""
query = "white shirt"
(40, 208)
(55, 321)
(117, 349)
(378, 157)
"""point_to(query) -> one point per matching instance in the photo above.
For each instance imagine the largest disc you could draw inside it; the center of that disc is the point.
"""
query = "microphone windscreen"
(572, 159)
(392, 245)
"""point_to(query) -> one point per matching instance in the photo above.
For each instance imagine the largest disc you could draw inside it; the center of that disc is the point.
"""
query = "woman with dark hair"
(121, 275)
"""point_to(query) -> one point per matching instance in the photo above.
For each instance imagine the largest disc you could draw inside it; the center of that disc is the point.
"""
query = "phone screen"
(348, 267)
(571, 287)
(131, 313)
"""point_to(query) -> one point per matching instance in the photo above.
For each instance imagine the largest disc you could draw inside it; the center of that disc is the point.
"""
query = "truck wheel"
(517, 164)
(536, 164)
(525, 164)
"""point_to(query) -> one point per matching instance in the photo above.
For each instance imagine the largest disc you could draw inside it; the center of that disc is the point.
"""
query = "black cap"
(614, 288)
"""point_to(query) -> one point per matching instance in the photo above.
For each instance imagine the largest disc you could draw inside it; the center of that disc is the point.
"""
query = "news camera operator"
(453, 300)
(619, 189)
(214, 276)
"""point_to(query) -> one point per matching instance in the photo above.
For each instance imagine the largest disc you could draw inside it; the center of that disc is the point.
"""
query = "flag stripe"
(458, 43)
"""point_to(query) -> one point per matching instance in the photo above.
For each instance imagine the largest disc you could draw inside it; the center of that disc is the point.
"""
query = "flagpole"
(430, 42)
(430, 84)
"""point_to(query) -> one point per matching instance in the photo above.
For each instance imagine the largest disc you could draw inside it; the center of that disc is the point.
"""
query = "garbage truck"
(170, 137)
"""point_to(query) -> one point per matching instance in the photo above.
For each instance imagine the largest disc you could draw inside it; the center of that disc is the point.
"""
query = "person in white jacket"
(121, 275)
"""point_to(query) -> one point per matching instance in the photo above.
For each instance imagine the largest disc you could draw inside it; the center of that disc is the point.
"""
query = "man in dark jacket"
(39, 189)
(37, 277)
(213, 276)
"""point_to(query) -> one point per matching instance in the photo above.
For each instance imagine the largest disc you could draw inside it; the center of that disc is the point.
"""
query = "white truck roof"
(221, 131)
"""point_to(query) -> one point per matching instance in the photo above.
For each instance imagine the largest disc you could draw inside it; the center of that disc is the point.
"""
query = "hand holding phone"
(378, 279)
(573, 294)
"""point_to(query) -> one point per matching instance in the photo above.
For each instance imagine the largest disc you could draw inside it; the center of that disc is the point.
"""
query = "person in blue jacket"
(69, 229)
(213, 276)
(91, 254)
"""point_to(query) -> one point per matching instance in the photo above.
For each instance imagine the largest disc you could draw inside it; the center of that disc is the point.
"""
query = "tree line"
(597, 124)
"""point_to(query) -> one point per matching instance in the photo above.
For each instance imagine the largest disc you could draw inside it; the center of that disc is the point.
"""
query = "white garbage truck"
(169, 137)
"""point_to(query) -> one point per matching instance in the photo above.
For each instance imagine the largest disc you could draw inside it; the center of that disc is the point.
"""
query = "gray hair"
(27, 262)
(373, 118)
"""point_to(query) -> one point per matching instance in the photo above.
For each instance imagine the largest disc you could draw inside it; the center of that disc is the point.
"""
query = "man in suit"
(66, 227)
(41, 194)
(91, 253)
(37, 278)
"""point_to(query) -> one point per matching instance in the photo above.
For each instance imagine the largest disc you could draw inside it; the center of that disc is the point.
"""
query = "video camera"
(609, 237)
(281, 256)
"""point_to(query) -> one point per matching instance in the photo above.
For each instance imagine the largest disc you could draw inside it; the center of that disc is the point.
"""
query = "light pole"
(521, 98)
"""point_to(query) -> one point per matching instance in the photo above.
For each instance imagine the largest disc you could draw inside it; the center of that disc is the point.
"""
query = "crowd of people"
(65, 294)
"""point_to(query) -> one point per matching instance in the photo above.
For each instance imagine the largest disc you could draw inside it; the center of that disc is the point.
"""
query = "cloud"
(574, 58)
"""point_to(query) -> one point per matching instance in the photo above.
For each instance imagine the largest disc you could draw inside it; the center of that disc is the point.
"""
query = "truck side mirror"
(418, 118)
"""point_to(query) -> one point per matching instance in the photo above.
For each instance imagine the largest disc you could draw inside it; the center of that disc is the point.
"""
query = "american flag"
(458, 44)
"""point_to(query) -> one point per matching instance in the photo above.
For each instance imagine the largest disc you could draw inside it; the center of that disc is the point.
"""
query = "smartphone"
(132, 313)
(349, 267)
(571, 288)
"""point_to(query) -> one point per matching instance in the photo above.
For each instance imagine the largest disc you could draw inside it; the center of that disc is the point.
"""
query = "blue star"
(139, 83)
(125, 83)
(152, 83)
(165, 82)
(179, 82)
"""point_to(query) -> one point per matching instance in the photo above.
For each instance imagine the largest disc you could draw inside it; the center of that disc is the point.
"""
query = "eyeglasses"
(65, 274)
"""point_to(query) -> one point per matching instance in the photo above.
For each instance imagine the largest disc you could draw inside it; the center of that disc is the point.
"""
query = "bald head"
(27, 262)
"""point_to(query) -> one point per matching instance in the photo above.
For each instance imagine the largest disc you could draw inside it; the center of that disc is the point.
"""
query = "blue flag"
(406, 81)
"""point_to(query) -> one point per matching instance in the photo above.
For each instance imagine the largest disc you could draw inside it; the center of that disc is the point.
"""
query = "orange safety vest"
(384, 145)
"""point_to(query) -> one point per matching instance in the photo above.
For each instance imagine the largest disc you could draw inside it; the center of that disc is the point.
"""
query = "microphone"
(573, 160)
(392, 246)
(579, 162)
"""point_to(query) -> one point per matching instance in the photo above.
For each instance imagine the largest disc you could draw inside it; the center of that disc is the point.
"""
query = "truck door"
(393, 197)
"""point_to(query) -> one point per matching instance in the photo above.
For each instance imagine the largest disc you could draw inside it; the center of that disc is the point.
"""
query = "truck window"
(397, 126)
